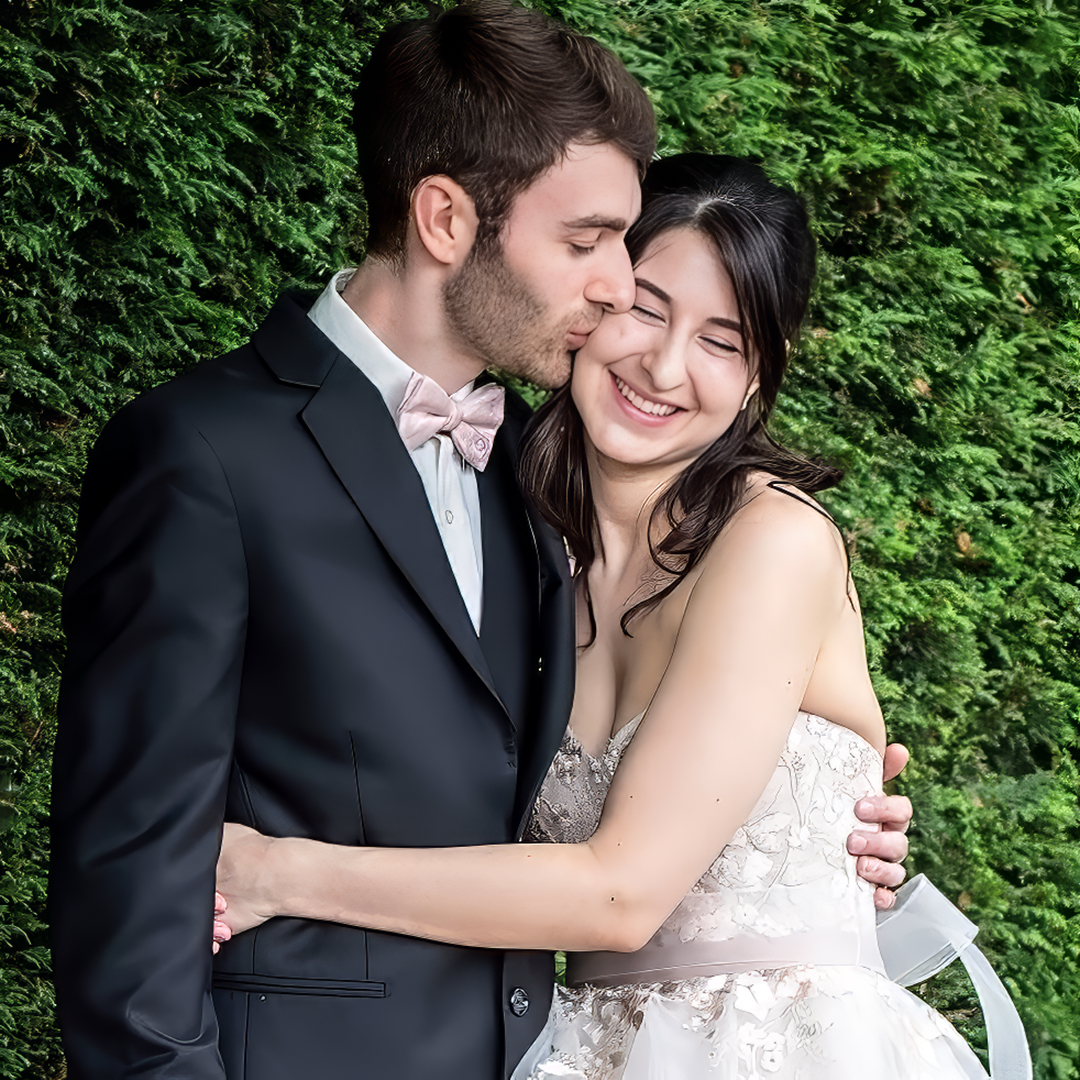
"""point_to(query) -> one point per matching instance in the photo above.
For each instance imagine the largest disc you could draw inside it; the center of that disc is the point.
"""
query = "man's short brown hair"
(490, 94)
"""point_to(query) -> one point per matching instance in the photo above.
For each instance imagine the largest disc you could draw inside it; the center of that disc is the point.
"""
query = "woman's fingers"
(240, 876)
(222, 933)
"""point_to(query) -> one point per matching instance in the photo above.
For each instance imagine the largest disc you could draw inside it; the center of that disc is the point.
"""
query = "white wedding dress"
(769, 969)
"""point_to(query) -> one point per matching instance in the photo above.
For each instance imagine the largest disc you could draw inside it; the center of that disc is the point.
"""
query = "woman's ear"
(445, 219)
(751, 390)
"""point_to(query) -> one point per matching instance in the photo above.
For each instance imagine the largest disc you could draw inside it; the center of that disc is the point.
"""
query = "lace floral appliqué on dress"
(768, 969)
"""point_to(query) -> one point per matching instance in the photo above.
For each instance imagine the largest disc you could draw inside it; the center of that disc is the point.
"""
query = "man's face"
(527, 305)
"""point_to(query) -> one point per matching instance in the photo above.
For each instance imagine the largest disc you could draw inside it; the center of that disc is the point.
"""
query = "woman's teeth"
(654, 408)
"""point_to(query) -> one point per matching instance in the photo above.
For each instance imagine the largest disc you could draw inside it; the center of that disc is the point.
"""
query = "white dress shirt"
(449, 482)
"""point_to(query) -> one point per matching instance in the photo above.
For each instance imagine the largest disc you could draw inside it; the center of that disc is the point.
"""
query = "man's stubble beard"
(495, 315)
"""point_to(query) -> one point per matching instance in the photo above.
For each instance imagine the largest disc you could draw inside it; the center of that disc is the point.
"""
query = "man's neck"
(404, 309)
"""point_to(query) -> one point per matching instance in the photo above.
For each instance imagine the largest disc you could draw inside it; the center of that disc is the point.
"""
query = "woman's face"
(660, 383)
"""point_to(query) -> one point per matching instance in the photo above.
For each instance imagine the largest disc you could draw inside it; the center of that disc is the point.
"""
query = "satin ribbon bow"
(428, 410)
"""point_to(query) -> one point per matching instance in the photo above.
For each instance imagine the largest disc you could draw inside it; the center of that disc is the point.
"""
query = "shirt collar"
(352, 336)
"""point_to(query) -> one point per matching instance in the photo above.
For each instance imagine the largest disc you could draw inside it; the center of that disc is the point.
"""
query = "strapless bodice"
(567, 809)
(783, 891)
(769, 966)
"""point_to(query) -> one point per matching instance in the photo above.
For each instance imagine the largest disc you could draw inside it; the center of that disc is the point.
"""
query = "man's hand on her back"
(880, 854)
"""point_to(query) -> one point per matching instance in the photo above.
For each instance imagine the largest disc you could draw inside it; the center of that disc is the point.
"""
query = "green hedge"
(938, 146)
(166, 168)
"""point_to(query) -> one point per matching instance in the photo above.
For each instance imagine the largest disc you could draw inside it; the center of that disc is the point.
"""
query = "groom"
(309, 597)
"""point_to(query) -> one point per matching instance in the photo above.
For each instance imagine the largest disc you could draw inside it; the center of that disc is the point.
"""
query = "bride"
(687, 848)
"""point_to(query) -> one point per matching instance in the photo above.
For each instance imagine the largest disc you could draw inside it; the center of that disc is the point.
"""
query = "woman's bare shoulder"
(776, 544)
(777, 515)
(778, 571)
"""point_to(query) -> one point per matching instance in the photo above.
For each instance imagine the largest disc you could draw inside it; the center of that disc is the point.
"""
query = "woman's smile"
(661, 382)
(639, 406)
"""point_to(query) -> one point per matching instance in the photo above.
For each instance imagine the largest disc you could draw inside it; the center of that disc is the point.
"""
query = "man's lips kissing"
(575, 338)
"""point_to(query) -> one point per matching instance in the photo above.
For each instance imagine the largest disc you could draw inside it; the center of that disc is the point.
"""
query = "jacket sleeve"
(155, 613)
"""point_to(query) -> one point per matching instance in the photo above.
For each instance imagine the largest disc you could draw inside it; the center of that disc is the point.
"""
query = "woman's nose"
(664, 365)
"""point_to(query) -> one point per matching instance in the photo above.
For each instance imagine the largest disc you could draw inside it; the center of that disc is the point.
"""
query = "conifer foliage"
(937, 146)
(165, 169)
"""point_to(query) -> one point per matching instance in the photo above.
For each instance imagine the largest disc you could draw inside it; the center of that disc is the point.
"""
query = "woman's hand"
(244, 880)
(222, 933)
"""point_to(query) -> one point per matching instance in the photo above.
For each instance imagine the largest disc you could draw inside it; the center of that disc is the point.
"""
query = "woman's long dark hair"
(762, 237)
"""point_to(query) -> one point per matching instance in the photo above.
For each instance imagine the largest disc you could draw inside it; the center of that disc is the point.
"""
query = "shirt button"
(481, 445)
(449, 517)
(519, 1001)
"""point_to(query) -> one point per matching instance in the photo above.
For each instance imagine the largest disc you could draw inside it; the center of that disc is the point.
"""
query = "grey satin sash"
(923, 933)
(919, 936)
(666, 957)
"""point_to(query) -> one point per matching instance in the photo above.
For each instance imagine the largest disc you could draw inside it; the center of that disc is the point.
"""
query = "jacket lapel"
(553, 645)
(558, 659)
(348, 419)
(508, 630)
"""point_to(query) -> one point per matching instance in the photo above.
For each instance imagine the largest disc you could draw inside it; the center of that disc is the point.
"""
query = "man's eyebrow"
(727, 324)
(597, 221)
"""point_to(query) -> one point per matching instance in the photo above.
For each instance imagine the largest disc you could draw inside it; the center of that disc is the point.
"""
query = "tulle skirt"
(793, 1023)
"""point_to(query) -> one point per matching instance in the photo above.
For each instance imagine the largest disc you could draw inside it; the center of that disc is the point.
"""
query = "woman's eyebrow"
(648, 286)
(727, 324)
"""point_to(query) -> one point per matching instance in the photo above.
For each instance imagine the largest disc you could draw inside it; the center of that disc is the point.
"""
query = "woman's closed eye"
(724, 346)
(647, 313)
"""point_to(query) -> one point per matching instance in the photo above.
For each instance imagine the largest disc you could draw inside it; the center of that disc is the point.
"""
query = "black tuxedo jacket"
(263, 627)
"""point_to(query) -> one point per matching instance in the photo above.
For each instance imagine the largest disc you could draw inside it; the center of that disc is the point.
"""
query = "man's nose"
(612, 286)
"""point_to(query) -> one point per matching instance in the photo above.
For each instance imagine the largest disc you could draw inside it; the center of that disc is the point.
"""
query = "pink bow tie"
(427, 410)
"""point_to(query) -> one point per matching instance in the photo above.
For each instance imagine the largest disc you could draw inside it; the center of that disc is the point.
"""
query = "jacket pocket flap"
(281, 984)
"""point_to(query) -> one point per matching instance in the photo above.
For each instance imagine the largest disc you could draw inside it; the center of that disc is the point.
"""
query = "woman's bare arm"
(772, 589)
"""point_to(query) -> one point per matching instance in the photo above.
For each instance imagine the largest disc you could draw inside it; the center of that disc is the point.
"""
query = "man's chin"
(547, 375)
(556, 373)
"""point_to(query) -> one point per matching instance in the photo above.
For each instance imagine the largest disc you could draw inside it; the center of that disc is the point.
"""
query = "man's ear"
(445, 219)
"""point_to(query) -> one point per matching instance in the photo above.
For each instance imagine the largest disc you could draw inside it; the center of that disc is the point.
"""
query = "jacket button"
(519, 1001)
